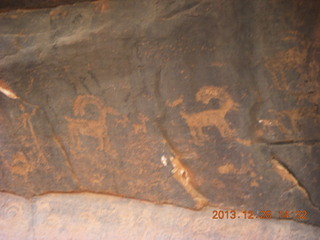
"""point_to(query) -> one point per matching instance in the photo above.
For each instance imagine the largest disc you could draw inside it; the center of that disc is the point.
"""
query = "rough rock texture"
(32, 4)
(92, 216)
(190, 103)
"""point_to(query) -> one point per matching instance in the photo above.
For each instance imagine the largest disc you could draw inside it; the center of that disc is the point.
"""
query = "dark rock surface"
(34, 4)
(191, 103)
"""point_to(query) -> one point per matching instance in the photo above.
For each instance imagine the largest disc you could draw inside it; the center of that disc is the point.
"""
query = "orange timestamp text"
(261, 214)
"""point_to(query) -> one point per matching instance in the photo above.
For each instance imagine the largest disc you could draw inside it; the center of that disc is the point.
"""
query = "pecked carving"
(96, 128)
(210, 118)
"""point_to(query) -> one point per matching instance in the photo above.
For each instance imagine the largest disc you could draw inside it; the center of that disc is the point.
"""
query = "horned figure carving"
(213, 117)
(89, 127)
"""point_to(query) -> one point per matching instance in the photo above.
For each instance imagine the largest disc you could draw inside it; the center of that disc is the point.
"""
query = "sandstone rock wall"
(189, 103)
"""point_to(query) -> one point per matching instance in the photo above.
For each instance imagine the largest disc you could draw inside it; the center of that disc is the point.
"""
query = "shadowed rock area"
(33, 4)
(189, 103)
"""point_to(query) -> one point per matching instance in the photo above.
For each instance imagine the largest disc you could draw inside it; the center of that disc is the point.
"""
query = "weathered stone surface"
(15, 217)
(191, 103)
(93, 216)
(6, 5)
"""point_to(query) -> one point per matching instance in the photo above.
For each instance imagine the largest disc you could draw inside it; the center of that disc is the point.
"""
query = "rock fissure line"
(55, 138)
(179, 171)
(285, 173)
(286, 142)
(63, 150)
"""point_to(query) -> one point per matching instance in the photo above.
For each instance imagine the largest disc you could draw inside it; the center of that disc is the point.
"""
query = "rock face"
(190, 103)
(32, 4)
(91, 216)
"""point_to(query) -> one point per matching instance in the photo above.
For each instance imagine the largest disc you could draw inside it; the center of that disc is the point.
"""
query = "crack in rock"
(63, 150)
(180, 172)
(286, 174)
(287, 142)
(55, 138)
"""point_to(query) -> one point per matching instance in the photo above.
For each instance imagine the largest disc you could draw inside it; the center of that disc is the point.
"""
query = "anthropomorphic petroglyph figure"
(212, 117)
(88, 127)
(29, 112)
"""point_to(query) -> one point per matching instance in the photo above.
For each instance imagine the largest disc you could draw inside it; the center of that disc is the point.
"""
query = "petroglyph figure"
(213, 117)
(294, 115)
(20, 165)
(28, 112)
(88, 127)
(302, 59)
(141, 128)
(274, 123)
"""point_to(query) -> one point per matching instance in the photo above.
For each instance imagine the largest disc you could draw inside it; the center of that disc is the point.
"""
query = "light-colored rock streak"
(181, 174)
(6, 90)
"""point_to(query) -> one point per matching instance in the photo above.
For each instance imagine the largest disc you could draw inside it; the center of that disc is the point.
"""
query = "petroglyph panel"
(192, 104)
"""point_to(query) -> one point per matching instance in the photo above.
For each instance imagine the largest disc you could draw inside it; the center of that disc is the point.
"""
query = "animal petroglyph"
(175, 102)
(268, 124)
(302, 59)
(137, 128)
(295, 116)
(20, 165)
(88, 127)
(210, 118)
